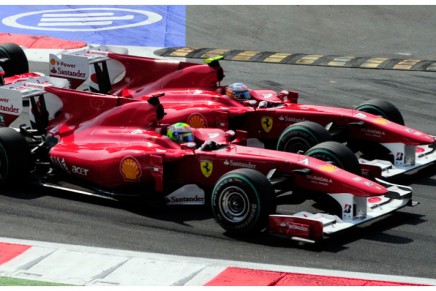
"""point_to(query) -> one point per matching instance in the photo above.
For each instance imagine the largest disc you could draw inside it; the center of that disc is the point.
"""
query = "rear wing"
(14, 97)
(79, 66)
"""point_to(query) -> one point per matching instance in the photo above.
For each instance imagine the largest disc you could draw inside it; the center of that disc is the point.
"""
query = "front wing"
(312, 227)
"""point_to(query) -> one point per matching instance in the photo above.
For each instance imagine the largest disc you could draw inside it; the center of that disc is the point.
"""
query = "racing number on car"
(206, 168)
(267, 123)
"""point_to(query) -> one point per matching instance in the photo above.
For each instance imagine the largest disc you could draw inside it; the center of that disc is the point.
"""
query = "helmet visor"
(186, 137)
(242, 95)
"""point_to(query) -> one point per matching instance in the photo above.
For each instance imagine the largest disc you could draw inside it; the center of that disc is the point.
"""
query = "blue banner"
(130, 25)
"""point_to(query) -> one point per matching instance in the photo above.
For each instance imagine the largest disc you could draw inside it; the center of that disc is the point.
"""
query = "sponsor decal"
(8, 107)
(374, 200)
(328, 168)
(206, 168)
(172, 200)
(368, 183)
(239, 164)
(399, 156)
(295, 229)
(197, 120)
(290, 119)
(373, 132)
(319, 180)
(360, 115)
(348, 208)
(79, 170)
(267, 123)
(130, 169)
(61, 68)
(381, 120)
(419, 150)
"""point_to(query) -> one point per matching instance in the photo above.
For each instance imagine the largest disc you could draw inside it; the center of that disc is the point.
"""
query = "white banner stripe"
(91, 23)
(126, 17)
(77, 14)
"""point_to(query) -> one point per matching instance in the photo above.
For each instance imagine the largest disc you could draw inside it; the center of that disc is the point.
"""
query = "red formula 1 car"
(374, 130)
(113, 146)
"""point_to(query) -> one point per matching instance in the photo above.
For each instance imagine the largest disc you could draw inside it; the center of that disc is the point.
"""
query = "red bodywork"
(193, 95)
(116, 143)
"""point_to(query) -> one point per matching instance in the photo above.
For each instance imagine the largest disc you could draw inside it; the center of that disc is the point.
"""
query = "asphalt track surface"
(401, 244)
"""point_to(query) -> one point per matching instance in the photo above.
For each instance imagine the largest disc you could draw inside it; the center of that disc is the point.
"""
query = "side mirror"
(288, 96)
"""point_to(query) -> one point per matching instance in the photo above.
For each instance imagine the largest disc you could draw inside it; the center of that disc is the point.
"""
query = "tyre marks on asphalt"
(382, 63)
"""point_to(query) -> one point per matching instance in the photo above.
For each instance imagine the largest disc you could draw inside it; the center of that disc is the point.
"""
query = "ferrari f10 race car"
(374, 130)
(113, 146)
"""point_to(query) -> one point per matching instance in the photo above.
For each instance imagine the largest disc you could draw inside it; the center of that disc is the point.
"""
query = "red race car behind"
(374, 130)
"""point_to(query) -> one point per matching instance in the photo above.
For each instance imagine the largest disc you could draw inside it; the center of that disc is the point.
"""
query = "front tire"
(242, 201)
(337, 154)
(301, 136)
(382, 108)
(15, 157)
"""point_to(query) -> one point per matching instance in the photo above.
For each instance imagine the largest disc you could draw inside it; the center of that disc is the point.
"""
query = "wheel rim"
(234, 204)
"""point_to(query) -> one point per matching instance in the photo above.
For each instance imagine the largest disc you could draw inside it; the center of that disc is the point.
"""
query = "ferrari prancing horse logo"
(267, 123)
(206, 168)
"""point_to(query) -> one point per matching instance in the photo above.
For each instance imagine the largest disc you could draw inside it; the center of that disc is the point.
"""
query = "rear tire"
(301, 136)
(17, 62)
(242, 201)
(15, 156)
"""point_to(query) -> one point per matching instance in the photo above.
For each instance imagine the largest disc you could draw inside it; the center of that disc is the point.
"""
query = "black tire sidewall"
(15, 156)
(383, 108)
(259, 196)
(17, 62)
(337, 153)
(302, 136)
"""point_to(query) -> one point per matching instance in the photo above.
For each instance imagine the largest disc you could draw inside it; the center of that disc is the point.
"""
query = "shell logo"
(52, 62)
(130, 169)
(328, 168)
(197, 121)
(381, 121)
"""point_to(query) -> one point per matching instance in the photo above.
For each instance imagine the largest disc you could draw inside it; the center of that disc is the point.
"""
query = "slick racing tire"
(15, 159)
(382, 108)
(242, 201)
(16, 61)
(337, 154)
(301, 136)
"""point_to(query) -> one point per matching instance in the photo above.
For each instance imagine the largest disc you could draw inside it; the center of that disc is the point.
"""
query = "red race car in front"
(113, 146)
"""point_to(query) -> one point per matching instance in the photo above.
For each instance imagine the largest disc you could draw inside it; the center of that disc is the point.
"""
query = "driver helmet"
(238, 91)
(180, 132)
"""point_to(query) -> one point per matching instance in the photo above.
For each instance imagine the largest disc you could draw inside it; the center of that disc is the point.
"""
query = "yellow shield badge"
(206, 168)
(267, 123)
